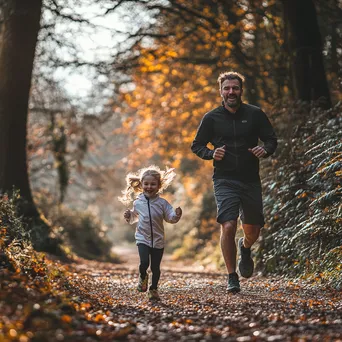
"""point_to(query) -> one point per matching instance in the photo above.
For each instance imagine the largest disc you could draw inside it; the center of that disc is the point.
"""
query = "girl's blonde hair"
(134, 182)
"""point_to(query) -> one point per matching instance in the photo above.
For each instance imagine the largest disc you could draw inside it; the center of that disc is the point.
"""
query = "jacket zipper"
(236, 156)
(149, 212)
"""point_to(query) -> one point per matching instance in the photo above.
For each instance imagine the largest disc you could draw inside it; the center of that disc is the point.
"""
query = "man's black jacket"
(238, 132)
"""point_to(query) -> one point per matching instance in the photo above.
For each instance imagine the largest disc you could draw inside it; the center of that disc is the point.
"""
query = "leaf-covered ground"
(99, 302)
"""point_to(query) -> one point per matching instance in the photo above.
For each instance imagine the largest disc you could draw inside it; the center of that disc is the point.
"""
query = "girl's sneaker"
(143, 283)
(153, 295)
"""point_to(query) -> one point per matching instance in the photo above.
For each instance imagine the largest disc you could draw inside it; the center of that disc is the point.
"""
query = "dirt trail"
(196, 307)
(130, 258)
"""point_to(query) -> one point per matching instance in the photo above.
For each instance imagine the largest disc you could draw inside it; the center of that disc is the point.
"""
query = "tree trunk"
(19, 37)
(334, 47)
(306, 45)
(251, 88)
(247, 66)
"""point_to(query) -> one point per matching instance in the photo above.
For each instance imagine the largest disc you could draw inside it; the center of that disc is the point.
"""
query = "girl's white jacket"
(150, 214)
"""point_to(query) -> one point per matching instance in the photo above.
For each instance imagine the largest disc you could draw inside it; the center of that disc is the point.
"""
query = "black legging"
(156, 256)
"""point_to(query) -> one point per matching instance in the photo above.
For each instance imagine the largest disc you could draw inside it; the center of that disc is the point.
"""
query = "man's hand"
(258, 151)
(219, 153)
(127, 215)
(178, 212)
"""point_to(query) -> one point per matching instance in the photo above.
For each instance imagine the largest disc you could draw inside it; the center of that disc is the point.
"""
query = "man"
(234, 129)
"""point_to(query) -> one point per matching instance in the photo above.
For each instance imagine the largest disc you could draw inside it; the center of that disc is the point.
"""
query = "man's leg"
(246, 263)
(252, 213)
(251, 234)
(228, 203)
(252, 221)
(228, 246)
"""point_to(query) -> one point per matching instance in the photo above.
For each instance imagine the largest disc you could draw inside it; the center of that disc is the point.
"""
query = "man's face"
(231, 93)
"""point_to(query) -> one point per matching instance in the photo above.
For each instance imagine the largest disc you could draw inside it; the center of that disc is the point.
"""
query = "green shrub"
(303, 200)
(17, 253)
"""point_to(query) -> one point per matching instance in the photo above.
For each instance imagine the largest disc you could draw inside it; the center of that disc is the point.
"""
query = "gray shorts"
(234, 198)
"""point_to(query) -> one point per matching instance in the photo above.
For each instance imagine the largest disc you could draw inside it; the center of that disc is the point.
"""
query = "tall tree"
(306, 45)
(21, 23)
(329, 15)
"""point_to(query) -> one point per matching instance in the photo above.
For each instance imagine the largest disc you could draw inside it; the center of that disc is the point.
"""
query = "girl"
(149, 210)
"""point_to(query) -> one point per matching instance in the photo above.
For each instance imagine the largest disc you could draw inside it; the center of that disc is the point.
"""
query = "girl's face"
(150, 186)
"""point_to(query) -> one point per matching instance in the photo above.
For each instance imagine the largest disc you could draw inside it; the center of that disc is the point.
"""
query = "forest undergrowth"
(302, 199)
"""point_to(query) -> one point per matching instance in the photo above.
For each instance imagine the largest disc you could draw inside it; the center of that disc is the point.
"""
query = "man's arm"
(202, 138)
(267, 135)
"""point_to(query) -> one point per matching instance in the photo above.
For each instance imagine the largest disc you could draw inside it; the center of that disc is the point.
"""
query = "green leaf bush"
(302, 199)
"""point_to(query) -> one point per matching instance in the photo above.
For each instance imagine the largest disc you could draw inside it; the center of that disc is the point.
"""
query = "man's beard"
(234, 104)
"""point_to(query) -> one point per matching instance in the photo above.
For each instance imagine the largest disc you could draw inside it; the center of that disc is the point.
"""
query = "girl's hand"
(179, 212)
(127, 215)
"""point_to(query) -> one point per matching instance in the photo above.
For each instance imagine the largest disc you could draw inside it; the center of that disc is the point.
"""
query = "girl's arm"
(171, 215)
(131, 216)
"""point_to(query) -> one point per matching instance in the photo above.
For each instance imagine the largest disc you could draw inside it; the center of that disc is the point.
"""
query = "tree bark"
(19, 38)
(306, 45)
(334, 47)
